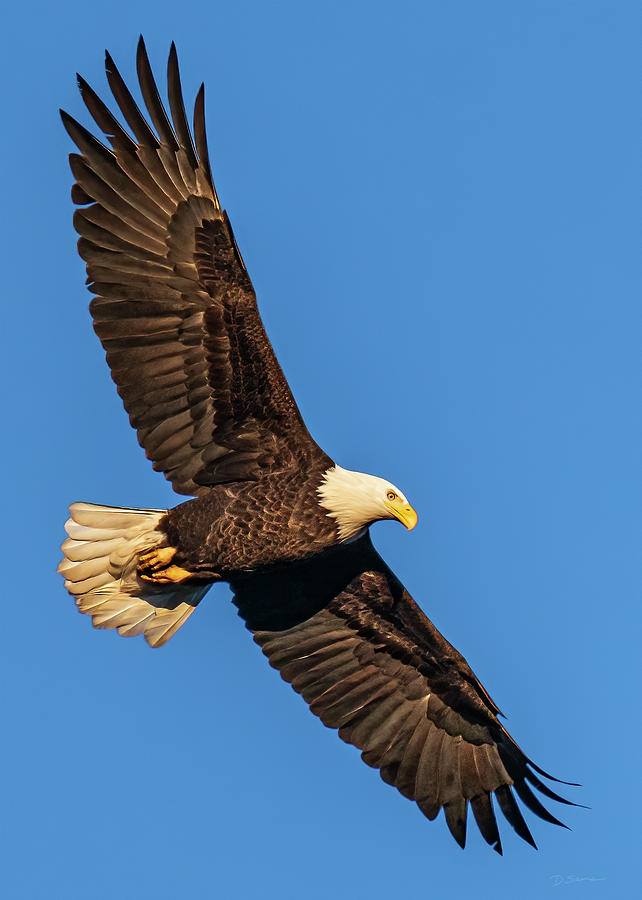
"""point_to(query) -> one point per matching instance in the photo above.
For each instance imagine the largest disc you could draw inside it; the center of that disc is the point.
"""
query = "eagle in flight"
(271, 513)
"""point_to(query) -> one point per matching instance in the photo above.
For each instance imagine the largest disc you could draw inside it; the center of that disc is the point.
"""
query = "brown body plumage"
(176, 313)
(245, 527)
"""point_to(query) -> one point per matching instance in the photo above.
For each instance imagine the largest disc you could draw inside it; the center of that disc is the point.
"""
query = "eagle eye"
(391, 495)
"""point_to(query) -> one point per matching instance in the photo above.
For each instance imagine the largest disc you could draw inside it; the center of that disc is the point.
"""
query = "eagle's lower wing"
(350, 639)
(174, 308)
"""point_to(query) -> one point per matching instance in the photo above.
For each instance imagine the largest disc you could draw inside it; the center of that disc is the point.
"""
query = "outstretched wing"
(174, 308)
(350, 639)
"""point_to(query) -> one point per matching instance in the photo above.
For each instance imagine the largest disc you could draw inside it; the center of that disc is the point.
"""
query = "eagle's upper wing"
(348, 637)
(174, 308)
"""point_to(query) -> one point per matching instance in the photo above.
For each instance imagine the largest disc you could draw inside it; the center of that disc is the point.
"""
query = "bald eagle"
(271, 513)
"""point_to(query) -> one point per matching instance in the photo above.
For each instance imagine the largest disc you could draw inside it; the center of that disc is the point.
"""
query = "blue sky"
(439, 206)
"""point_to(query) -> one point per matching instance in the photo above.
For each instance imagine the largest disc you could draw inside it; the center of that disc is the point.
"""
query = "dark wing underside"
(350, 639)
(174, 307)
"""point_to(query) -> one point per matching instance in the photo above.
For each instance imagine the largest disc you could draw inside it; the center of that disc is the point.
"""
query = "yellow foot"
(170, 575)
(156, 566)
(153, 560)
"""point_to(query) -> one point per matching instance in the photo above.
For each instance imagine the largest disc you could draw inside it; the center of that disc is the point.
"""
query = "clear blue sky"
(439, 206)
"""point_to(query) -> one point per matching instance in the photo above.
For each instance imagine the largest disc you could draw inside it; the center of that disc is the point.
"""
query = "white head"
(356, 500)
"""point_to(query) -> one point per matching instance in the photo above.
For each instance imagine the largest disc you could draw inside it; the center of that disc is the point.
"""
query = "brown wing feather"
(349, 638)
(174, 307)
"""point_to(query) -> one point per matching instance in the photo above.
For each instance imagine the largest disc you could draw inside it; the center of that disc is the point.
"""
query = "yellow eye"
(391, 495)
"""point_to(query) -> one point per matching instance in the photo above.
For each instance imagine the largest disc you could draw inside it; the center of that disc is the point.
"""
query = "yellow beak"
(403, 512)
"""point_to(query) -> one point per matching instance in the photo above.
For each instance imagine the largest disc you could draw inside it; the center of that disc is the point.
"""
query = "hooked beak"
(404, 513)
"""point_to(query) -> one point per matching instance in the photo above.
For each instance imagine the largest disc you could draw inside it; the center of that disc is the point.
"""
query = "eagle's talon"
(156, 566)
(155, 560)
(170, 575)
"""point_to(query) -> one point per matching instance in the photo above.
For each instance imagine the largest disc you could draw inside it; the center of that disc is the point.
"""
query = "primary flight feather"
(272, 514)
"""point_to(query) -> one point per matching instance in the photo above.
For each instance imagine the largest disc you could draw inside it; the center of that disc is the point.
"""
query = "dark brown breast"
(247, 526)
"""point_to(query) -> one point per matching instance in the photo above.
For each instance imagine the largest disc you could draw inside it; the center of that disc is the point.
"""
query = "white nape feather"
(355, 499)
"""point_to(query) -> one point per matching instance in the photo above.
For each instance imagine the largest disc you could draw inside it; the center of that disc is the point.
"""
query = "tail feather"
(100, 570)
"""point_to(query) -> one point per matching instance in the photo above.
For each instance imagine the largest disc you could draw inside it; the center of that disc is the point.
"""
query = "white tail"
(100, 571)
